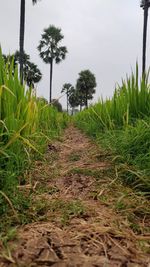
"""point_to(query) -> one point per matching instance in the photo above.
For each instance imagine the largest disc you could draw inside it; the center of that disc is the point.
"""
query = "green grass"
(27, 125)
(122, 125)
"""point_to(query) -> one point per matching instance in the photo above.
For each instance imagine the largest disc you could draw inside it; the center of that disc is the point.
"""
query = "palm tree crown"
(50, 49)
(145, 3)
(67, 88)
(49, 45)
(31, 72)
(34, 1)
(86, 84)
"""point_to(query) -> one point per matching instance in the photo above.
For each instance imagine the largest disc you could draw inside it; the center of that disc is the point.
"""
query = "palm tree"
(73, 99)
(145, 4)
(85, 86)
(31, 72)
(67, 88)
(50, 50)
(22, 31)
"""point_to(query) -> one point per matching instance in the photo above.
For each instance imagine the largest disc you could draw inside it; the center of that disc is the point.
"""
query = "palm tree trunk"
(67, 101)
(144, 39)
(86, 100)
(22, 31)
(51, 75)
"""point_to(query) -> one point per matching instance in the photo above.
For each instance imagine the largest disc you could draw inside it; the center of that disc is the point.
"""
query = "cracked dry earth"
(74, 226)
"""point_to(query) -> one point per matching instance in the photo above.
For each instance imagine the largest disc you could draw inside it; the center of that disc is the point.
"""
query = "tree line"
(82, 92)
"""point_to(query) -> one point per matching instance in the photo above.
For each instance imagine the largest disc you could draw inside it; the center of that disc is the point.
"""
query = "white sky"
(104, 36)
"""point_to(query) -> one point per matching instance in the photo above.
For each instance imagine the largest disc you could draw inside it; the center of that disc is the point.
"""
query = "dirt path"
(81, 213)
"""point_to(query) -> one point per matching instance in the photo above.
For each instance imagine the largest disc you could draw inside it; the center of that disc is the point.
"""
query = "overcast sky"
(104, 36)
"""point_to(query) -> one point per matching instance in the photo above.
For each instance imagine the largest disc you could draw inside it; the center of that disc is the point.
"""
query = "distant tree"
(25, 57)
(57, 105)
(145, 4)
(21, 38)
(50, 49)
(31, 72)
(73, 99)
(86, 84)
(81, 98)
(67, 88)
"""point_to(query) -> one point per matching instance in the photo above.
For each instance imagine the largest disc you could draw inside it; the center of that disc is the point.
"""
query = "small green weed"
(74, 157)
(11, 235)
(144, 245)
(120, 205)
(50, 190)
(67, 209)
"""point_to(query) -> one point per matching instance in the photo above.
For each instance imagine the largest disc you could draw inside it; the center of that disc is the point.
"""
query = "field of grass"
(122, 125)
(27, 124)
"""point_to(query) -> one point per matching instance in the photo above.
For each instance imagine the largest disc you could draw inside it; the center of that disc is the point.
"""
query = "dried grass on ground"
(83, 215)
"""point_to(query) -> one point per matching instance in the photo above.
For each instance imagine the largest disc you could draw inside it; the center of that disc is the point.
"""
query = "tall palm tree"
(67, 88)
(145, 4)
(22, 31)
(50, 49)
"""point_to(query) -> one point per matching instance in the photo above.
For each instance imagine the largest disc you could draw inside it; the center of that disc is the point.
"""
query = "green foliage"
(49, 47)
(123, 125)
(31, 73)
(68, 89)
(27, 123)
(86, 84)
(129, 103)
(85, 88)
(73, 98)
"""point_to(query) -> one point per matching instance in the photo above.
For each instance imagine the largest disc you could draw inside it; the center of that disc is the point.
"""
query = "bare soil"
(83, 212)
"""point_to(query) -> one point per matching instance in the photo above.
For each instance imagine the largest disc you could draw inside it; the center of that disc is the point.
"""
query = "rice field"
(122, 124)
(27, 124)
